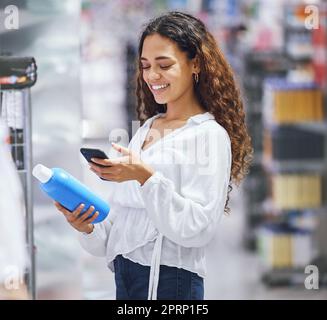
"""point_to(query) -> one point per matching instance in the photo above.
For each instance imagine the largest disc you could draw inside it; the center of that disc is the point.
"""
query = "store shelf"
(257, 159)
(318, 127)
(307, 165)
(290, 277)
(284, 277)
(268, 207)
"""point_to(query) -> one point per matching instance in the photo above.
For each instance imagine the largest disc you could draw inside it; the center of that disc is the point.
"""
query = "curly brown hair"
(216, 89)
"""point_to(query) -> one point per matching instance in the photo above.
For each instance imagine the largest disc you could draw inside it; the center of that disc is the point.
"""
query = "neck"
(184, 107)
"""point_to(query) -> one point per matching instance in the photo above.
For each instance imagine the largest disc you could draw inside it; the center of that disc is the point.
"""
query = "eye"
(165, 67)
(143, 67)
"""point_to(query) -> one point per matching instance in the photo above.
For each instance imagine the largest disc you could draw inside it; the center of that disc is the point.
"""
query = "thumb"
(124, 151)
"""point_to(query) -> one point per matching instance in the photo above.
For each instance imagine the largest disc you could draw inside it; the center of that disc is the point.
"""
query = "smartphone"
(90, 153)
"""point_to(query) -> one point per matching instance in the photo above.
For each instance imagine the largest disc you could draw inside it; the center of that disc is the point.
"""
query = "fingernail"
(97, 213)
(82, 205)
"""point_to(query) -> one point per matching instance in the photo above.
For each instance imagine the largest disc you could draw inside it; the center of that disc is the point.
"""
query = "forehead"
(156, 45)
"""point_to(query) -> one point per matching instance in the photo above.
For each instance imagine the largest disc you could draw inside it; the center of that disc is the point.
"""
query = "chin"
(161, 101)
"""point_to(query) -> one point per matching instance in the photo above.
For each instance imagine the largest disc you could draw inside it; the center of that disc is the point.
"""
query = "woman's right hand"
(80, 223)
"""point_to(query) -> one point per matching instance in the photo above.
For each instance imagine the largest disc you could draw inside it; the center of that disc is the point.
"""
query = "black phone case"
(89, 153)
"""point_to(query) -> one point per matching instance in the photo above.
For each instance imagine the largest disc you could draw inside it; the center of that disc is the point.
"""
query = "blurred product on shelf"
(319, 41)
(17, 73)
(282, 246)
(287, 143)
(287, 102)
(296, 191)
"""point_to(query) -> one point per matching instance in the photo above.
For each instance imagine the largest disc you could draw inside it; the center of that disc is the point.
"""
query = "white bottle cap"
(42, 173)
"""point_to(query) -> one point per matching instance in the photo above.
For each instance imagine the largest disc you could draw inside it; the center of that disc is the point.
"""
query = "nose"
(153, 75)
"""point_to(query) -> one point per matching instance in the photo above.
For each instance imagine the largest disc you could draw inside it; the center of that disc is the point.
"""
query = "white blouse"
(173, 216)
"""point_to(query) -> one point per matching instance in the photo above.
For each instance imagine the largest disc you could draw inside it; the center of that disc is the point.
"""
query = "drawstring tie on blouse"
(155, 269)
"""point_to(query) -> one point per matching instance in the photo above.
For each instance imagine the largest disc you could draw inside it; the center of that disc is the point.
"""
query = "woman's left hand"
(128, 167)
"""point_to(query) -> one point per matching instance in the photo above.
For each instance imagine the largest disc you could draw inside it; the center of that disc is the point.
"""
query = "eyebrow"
(157, 58)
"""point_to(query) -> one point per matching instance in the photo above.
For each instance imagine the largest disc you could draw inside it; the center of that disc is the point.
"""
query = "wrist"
(146, 173)
(89, 229)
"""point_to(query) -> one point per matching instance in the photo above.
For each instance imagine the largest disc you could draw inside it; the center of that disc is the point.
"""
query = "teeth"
(160, 87)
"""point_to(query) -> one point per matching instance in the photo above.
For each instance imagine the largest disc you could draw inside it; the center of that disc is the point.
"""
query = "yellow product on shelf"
(299, 98)
(308, 106)
(293, 106)
(306, 193)
(277, 191)
(316, 191)
(318, 102)
(281, 250)
(277, 105)
(304, 198)
(313, 191)
(267, 146)
(289, 191)
(287, 250)
(295, 191)
(265, 245)
(296, 201)
(309, 190)
(276, 244)
(289, 107)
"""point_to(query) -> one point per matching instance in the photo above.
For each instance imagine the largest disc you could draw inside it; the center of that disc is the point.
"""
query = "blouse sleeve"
(189, 217)
(95, 242)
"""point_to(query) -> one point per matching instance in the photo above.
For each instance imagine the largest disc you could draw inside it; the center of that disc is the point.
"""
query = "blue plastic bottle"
(68, 191)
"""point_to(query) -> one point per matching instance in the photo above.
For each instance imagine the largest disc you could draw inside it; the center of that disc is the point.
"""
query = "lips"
(159, 88)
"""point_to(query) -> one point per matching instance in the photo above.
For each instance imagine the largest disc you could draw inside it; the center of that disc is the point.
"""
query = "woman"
(171, 185)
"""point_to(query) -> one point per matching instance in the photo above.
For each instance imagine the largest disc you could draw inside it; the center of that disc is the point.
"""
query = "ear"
(196, 65)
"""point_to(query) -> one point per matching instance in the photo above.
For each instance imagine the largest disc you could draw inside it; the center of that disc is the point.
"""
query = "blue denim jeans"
(132, 282)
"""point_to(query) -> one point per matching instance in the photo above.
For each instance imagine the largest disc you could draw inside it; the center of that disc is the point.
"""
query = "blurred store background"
(85, 53)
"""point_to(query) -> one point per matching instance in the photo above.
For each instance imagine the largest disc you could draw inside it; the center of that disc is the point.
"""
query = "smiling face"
(166, 69)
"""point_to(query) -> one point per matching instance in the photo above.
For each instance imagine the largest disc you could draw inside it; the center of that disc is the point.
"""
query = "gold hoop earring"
(196, 77)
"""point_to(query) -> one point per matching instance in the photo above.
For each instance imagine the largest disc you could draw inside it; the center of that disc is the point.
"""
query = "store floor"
(233, 273)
